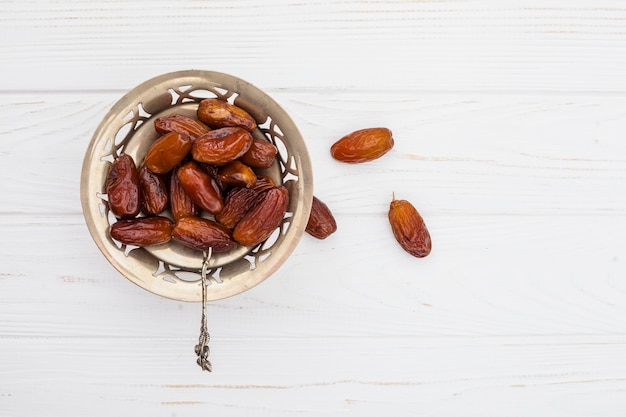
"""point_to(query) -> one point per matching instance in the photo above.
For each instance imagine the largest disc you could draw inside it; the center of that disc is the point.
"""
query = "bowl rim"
(237, 91)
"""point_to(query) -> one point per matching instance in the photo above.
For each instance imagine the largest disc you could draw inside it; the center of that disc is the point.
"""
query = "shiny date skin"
(154, 192)
(363, 145)
(221, 146)
(217, 113)
(181, 205)
(167, 152)
(409, 229)
(201, 187)
(179, 123)
(201, 234)
(266, 215)
(212, 171)
(236, 174)
(142, 231)
(321, 222)
(260, 155)
(122, 188)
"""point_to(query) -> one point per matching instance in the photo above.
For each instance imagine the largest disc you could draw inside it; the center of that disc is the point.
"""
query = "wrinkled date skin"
(201, 234)
(263, 183)
(122, 188)
(409, 228)
(154, 193)
(143, 231)
(181, 205)
(167, 151)
(260, 155)
(321, 222)
(217, 113)
(201, 187)
(221, 146)
(181, 124)
(237, 203)
(237, 174)
(260, 221)
(363, 145)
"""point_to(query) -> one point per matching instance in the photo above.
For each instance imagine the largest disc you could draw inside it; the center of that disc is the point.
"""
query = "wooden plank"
(508, 121)
(521, 194)
(316, 376)
(487, 276)
(443, 46)
(454, 153)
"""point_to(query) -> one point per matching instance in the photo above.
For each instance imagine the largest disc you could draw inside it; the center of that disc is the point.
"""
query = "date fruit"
(260, 155)
(181, 205)
(201, 187)
(221, 146)
(142, 231)
(236, 174)
(260, 221)
(122, 188)
(201, 234)
(263, 183)
(217, 113)
(363, 145)
(409, 228)
(179, 123)
(154, 194)
(321, 222)
(167, 151)
(237, 203)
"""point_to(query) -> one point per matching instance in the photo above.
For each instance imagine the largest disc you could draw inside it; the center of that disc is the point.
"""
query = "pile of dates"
(208, 164)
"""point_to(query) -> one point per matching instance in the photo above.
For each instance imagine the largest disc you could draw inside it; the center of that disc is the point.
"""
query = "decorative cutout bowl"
(172, 270)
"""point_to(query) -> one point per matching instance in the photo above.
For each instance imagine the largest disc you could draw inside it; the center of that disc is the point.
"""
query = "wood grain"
(508, 281)
(508, 120)
(423, 45)
(488, 376)
(521, 154)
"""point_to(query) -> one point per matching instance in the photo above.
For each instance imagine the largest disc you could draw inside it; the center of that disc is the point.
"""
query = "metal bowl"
(172, 270)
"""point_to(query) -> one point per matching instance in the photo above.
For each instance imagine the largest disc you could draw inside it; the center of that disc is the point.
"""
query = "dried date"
(217, 113)
(122, 188)
(236, 174)
(260, 155)
(201, 187)
(409, 229)
(201, 234)
(142, 231)
(237, 203)
(221, 146)
(167, 152)
(263, 183)
(321, 222)
(179, 123)
(363, 145)
(260, 221)
(154, 193)
(181, 205)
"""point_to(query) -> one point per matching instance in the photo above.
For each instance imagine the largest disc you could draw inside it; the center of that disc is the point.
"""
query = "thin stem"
(202, 348)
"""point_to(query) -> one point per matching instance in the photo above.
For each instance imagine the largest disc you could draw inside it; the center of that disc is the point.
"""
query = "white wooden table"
(510, 127)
